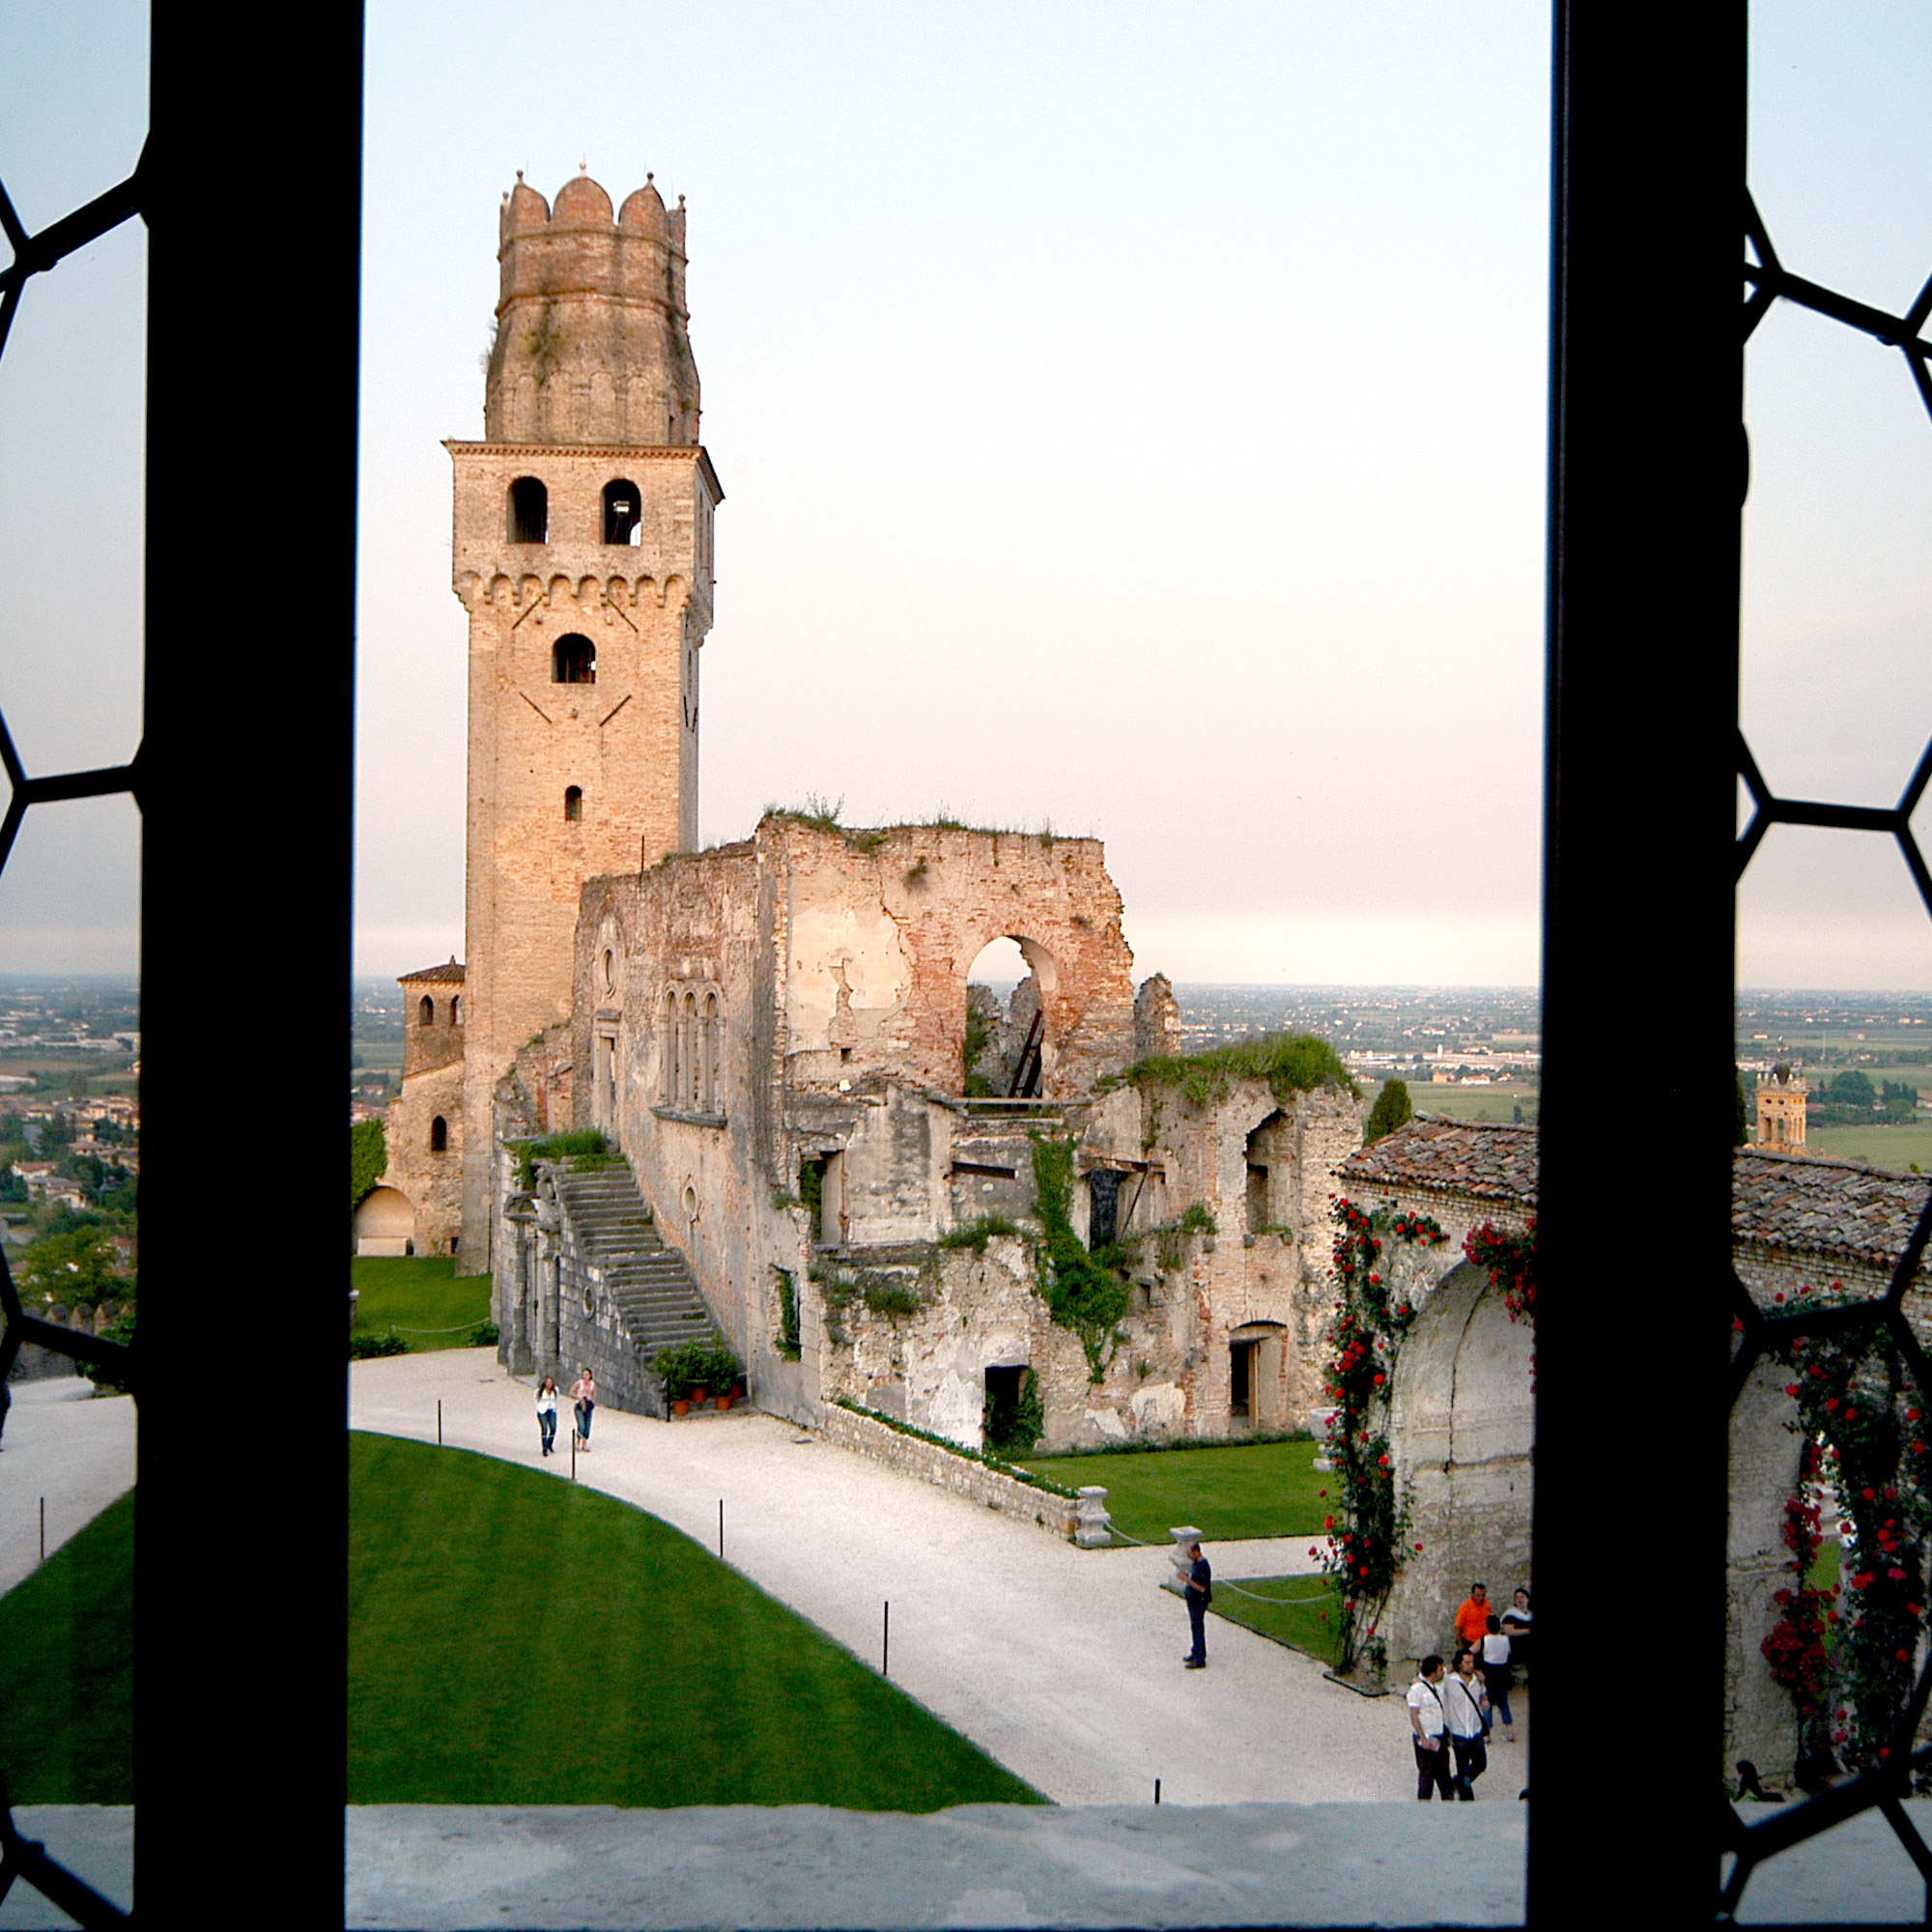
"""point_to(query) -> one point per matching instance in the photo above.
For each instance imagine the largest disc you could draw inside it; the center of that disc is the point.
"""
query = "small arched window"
(426, 1012)
(530, 511)
(456, 1010)
(672, 1065)
(623, 513)
(713, 1032)
(438, 1135)
(573, 797)
(693, 1078)
(574, 661)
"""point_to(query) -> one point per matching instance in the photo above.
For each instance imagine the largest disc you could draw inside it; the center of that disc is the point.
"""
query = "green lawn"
(422, 1297)
(1882, 1146)
(66, 1671)
(1304, 1612)
(515, 1639)
(1249, 1488)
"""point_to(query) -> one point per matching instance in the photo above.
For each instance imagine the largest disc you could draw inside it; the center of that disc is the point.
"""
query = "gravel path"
(63, 1443)
(1064, 1664)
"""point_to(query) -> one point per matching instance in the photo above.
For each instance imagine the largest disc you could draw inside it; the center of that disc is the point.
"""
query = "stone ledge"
(915, 1457)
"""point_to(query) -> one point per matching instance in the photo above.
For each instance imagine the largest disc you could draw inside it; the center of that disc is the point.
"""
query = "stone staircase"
(651, 1285)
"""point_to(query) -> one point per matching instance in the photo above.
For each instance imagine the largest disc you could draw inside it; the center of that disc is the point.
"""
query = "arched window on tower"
(623, 513)
(692, 1079)
(426, 1012)
(530, 511)
(574, 661)
(438, 1135)
(573, 801)
(712, 1031)
(456, 1010)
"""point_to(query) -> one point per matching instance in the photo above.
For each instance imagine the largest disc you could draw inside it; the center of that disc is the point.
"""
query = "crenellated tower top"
(592, 342)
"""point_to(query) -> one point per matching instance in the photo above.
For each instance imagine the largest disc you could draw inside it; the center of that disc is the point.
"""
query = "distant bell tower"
(582, 554)
(1780, 1110)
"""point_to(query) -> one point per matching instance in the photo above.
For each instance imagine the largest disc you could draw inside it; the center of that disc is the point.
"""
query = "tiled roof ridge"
(451, 972)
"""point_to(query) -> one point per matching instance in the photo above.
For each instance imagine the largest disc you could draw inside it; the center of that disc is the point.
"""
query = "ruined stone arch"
(1461, 1437)
(386, 1223)
(1036, 993)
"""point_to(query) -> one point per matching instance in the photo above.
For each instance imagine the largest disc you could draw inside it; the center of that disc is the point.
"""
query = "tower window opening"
(572, 797)
(456, 1010)
(438, 1135)
(623, 513)
(426, 1012)
(574, 661)
(530, 511)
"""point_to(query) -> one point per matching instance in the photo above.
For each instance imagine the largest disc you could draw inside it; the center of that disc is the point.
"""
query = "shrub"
(787, 1343)
(485, 1335)
(362, 1344)
(368, 1160)
(1392, 1108)
(104, 1381)
(975, 1235)
(887, 1295)
(690, 1365)
(1012, 1429)
(585, 1153)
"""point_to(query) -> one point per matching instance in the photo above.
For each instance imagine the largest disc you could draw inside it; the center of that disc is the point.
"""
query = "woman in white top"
(1498, 1677)
(547, 1413)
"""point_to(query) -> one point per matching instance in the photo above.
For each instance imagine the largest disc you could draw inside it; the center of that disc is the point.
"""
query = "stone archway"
(386, 1223)
(1461, 1435)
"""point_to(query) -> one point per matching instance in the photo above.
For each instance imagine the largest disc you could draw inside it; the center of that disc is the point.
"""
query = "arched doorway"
(1460, 1434)
(386, 1223)
(1008, 1048)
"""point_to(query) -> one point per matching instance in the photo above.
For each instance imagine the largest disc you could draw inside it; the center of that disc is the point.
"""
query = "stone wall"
(931, 1464)
(1461, 1430)
(433, 1181)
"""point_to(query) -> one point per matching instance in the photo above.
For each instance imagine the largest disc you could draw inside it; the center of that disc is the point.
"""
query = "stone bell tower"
(583, 555)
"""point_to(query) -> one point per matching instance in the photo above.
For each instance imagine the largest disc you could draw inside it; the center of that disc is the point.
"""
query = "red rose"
(1790, 1388)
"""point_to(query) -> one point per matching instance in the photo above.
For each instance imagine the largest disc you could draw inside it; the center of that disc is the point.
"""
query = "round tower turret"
(592, 336)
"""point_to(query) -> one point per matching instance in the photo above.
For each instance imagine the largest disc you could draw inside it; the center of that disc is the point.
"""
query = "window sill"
(688, 1118)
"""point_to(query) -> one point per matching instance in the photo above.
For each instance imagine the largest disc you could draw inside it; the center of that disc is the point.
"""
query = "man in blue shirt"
(1200, 1593)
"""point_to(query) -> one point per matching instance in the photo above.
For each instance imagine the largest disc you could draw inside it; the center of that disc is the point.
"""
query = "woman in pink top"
(585, 1394)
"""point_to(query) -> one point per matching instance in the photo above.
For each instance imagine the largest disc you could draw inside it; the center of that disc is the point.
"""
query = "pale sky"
(1132, 418)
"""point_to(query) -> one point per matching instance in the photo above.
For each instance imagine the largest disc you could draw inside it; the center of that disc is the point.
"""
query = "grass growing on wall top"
(515, 1639)
(1291, 1063)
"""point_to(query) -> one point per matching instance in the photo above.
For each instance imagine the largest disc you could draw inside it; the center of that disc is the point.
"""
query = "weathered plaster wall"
(1766, 1450)
(1460, 1432)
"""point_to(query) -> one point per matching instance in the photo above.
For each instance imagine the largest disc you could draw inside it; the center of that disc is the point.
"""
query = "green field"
(515, 1639)
(1245, 1489)
(66, 1671)
(1304, 1612)
(1898, 1148)
(422, 1297)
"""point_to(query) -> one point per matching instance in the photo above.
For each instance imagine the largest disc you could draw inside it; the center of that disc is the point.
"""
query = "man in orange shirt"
(1472, 1620)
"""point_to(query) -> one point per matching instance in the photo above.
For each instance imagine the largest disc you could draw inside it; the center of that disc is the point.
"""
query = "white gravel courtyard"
(1063, 1664)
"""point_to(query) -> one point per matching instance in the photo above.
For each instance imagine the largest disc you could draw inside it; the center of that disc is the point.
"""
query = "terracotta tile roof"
(1839, 1211)
(1486, 1163)
(441, 976)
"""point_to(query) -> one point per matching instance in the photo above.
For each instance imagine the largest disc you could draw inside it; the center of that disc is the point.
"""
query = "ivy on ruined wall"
(1086, 1293)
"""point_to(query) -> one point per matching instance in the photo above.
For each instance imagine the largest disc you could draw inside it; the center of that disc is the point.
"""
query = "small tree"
(368, 1160)
(1392, 1108)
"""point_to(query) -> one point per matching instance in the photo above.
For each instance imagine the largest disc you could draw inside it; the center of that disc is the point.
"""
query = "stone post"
(1093, 1526)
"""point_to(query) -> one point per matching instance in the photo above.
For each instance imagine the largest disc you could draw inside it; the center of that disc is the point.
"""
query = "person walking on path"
(1497, 1676)
(547, 1413)
(1515, 1621)
(1197, 1577)
(1429, 1722)
(1468, 1719)
(1472, 1616)
(585, 1394)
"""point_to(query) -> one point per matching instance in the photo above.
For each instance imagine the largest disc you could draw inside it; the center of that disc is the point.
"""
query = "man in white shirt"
(1429, 1721)
(1463, 1704)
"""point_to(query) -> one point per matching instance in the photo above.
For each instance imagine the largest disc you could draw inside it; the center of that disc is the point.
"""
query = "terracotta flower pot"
(681, 1406)
(724, 1402)
(697, 1396)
